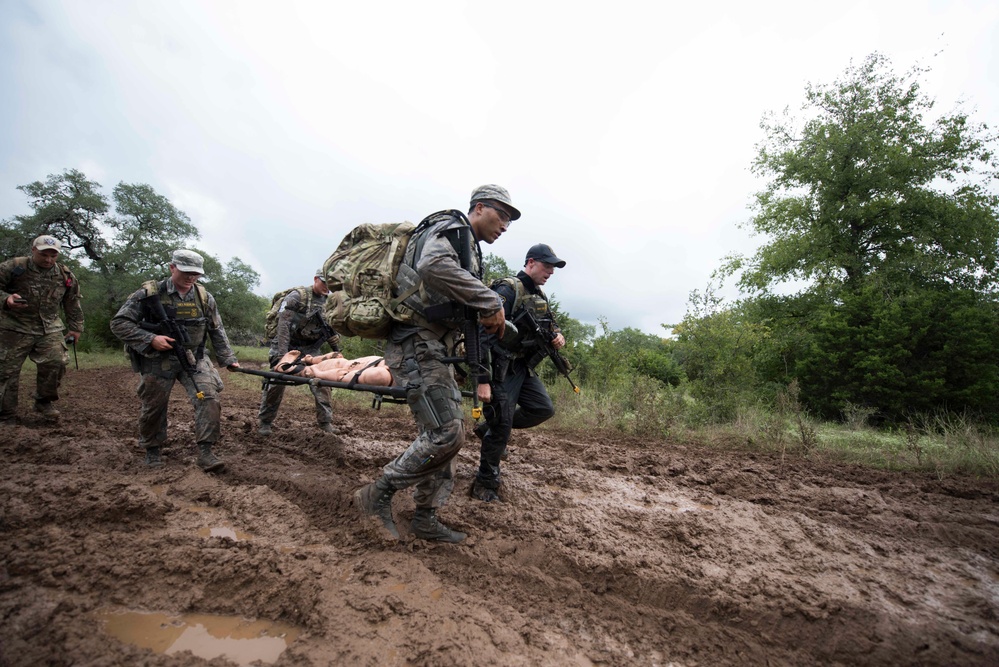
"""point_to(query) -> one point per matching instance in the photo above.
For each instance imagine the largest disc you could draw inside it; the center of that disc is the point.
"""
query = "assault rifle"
(167, 325)
(545, 336)
(325, 329)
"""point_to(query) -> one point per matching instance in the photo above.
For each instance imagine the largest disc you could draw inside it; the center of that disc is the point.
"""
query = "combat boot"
(208, 461)
(329, 428)
(47, 410)
(375, 500)
(484, 493)
(153, 459)
(264, 428)
(426, 526)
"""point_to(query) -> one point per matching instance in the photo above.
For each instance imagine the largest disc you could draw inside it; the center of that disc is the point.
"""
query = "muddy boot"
(153, 459)
(484, 493)
(264, 428)
(207, 461)
(329, 428)
(427, 527)
(47, 410)
(375, 500)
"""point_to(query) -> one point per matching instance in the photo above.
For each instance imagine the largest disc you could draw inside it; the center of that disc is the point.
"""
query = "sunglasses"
(504, 216)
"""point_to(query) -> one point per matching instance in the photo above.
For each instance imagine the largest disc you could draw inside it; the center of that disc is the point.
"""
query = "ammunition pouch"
(134, 358)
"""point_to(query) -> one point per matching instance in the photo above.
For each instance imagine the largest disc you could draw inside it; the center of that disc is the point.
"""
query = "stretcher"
(382, 394)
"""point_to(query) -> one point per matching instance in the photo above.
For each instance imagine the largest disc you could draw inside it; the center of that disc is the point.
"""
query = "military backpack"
(271, 320)
(363, 276)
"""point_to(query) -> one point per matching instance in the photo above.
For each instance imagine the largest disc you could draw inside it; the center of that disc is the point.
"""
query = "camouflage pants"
(48, 351)
(272, 394)
(429, 461)
(155, 386)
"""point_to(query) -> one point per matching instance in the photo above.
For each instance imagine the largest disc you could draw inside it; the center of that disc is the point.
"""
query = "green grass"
(943, 444)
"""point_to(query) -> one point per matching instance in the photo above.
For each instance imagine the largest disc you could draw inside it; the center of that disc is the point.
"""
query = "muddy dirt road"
(608, 550)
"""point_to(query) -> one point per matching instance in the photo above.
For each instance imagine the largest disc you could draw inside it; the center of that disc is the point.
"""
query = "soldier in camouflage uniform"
(32, 289)
(518, 397)
(153, 355)
(300, 327)
(415, 353)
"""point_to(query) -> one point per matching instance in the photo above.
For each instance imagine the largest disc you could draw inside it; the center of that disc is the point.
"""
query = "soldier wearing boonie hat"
(415, 353)
(298, 326)
(519, 398)
(32, 291)
(154, 354)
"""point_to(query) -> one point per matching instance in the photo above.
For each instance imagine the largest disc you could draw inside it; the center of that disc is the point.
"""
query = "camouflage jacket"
(295, 329)
(126, 324)
(444, 279)
(46, 291)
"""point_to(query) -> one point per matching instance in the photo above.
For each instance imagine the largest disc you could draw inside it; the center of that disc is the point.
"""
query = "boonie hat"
(188, 261)
(319, 274)
(46, 242)
(544, 253)
(495, 193)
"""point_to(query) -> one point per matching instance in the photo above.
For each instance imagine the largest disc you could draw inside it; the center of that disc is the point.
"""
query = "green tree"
(881, 213)
(869, 188)
(71, 208)
(717, 345)
(495, 267)
(241, 310)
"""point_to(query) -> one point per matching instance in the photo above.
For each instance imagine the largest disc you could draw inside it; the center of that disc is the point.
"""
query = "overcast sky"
(624, 131)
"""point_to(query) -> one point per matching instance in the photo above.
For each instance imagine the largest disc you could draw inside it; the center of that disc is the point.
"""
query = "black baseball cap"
(544, 253)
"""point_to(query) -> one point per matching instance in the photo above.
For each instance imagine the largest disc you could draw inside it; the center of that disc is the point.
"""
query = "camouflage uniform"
(297, 330)
(159, 370)
(35, 331)
(441, 268)
(415, 353)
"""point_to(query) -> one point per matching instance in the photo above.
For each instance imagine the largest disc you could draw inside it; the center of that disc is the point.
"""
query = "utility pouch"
(134, 358)
(442, 312)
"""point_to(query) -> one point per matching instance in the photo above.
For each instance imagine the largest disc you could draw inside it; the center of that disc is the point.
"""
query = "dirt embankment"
(607, 550)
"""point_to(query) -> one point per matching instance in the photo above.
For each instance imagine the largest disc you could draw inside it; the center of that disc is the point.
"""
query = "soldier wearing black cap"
(517, 397)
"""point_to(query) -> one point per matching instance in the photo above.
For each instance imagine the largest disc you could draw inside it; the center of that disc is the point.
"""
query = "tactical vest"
(455, 227)
(303, 328)
(537, 304)
(192, 315)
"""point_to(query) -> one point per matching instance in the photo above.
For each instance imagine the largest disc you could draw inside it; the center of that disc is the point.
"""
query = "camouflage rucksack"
(271, 320)
(362, 274)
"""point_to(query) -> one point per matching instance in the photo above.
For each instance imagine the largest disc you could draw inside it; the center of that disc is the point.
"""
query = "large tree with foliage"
(884, 212)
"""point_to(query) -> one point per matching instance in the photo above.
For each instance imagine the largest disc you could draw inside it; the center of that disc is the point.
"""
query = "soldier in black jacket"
(517, 397)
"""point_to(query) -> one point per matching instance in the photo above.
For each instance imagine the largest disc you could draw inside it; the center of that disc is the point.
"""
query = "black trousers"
(521, 401)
